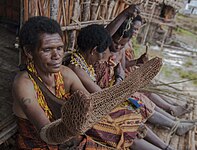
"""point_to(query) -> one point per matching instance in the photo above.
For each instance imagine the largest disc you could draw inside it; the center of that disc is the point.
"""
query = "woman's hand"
(119, 72)
(142, 59)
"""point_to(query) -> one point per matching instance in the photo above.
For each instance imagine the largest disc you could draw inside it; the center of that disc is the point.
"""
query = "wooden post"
(149, 22)
(54, 9)
(163, 40)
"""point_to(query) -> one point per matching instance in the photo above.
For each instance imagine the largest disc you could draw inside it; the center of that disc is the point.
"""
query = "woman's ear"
(93, 51)
(28, 53)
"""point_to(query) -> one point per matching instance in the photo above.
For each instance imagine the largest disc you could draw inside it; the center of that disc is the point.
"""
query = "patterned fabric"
(118, 129)
(59, 89)
(78, 60)
(28, 137)
(104, 74)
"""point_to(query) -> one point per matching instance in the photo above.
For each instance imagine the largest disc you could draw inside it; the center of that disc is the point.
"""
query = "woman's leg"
(160, 119)
(176, 110)
(158, 109)
(152, 138)
(150, 142)
(141, 144)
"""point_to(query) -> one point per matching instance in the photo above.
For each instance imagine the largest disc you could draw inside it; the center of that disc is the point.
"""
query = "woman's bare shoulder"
(22, 80)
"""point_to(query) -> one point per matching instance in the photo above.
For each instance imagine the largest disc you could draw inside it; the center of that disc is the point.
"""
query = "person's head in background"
(127, 30)
(93, 43)
(42, 41)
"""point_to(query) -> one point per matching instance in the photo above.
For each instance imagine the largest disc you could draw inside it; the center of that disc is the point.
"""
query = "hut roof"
(175, 4)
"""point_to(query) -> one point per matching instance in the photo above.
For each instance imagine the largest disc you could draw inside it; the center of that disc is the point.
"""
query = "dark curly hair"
(92, 36)
(121, 30)
(29, 36)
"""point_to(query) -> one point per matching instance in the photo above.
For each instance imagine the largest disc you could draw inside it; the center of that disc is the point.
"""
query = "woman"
(123, 52)
(50, 103)
(126, 133)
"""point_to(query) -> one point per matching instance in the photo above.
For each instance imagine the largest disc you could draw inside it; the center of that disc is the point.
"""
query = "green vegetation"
(188, 63)
(167, 71)
(136, 46)
(191, 75)
(185, 32)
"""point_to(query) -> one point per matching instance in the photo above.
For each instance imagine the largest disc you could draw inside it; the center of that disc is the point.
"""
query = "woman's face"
(100, 57)
(48, 57)
(119, 44)
(135, 27)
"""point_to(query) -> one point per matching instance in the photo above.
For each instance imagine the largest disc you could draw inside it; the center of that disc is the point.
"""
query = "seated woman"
(124, 121)
(123, 51)
(50, 102)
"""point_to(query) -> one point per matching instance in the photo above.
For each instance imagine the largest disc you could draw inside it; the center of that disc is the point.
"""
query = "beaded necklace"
(78, 60)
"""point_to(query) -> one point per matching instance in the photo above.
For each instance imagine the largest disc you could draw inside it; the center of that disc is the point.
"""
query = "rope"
(172, 131)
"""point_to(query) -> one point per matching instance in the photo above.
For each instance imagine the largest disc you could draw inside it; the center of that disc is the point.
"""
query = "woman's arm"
(116, 23)
(87, 82)
(25, 95)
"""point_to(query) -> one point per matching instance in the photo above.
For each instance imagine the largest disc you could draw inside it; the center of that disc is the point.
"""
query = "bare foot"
(184, 128)
(181, 110)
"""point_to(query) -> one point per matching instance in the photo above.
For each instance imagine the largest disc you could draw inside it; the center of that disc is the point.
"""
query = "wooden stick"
(67, 11)
(49, 13)
(94, 8)
(120, 8)
(110, 8)
(76, 26)
(26, 10)
(59, 11)
(115, 8)
(64, 13)
(40, 8)
(103, 8)
(70, 10)
(85, 10)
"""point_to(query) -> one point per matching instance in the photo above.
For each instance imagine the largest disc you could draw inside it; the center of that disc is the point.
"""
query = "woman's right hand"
(119, 72)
